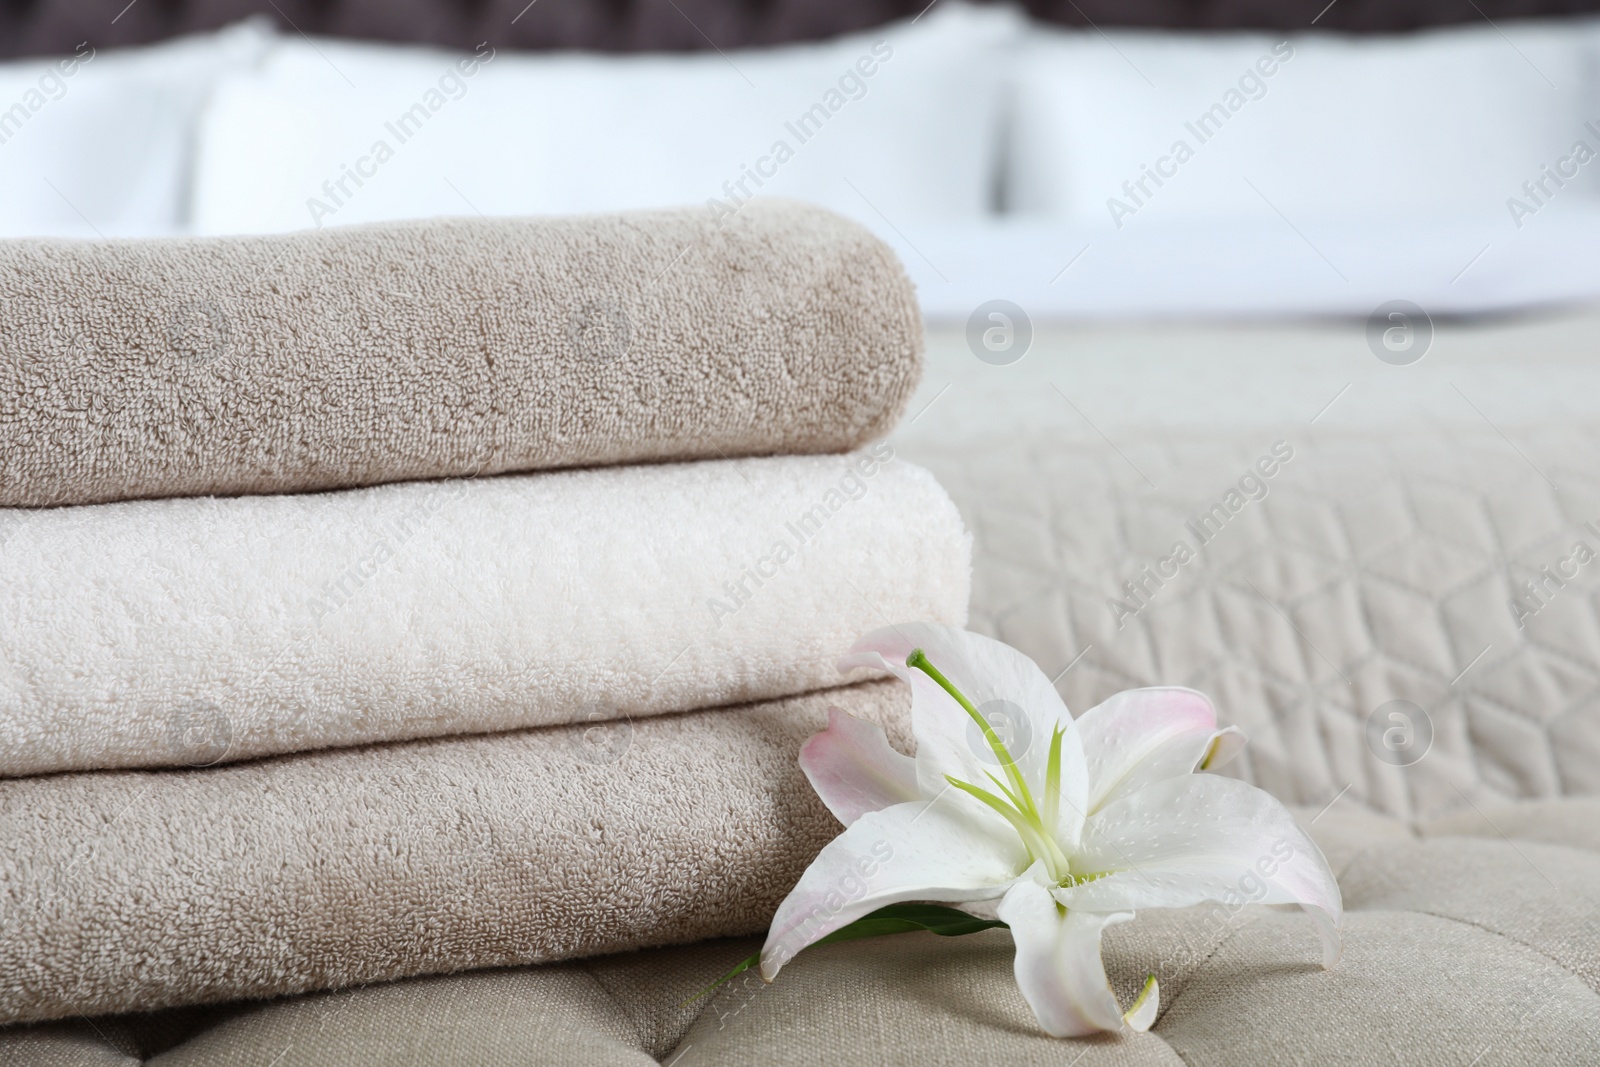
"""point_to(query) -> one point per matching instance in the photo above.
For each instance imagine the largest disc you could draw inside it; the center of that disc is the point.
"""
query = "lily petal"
(854, 770)
(1225, 744)
(938, 723)
(1058, 965)
(1144, 735)
(986, 671)
(1204, 837)
(1142, 1014)
(925, 851)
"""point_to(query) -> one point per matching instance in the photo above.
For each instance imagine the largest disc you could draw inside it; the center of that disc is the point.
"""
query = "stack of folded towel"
(410, 598)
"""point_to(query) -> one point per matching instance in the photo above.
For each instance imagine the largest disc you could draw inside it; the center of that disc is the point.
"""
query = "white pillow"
(100, 143)
(1449, 122)
(901, 121)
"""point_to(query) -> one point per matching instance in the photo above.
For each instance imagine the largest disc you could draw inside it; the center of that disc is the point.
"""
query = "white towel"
(193, 631)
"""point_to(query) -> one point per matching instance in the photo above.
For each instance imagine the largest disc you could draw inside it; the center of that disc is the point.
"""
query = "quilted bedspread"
(1387, 575)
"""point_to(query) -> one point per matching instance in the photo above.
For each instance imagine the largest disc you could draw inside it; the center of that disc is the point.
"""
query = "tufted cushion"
(1458, 944)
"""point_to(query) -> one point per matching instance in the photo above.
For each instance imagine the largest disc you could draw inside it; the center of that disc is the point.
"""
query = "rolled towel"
(193, 631)
(128, 890)
(412, 350)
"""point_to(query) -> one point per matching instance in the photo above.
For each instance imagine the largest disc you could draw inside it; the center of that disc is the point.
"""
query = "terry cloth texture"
(412, 350)
(1456, 947)
(128, 890)
(195, 631)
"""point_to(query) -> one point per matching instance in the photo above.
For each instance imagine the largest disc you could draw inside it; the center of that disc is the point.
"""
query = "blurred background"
(1097, 160)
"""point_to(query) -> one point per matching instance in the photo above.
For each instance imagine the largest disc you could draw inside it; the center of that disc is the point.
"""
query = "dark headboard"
(32, 27)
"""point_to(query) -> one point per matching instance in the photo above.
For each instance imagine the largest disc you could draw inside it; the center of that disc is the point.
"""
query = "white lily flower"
(1065, 830)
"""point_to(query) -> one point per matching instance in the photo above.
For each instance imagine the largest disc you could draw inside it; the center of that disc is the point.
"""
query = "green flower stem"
(919, 661)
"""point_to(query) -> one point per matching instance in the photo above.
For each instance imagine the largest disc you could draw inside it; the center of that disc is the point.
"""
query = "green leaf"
(908, 918)
(738, 969)
(894, 919)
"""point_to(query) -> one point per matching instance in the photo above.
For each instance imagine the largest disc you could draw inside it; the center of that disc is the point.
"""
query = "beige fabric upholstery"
(410, 350)
(1561, 822)
(1457, 947)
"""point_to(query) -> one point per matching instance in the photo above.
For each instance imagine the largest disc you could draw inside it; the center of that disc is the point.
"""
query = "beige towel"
(126, 890)
(195, 631)
(370, 354)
